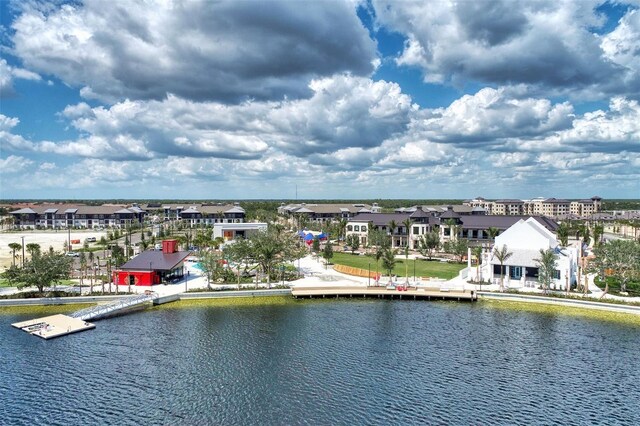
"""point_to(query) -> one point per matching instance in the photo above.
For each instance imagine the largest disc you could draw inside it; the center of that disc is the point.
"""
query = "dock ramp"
(114, 308)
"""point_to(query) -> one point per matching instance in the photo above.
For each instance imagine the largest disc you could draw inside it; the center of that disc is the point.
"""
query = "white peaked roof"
(528, 235)
(235, 209)
(25, 210)
(190, 210)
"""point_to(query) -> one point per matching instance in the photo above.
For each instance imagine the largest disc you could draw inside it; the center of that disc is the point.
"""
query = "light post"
(150, 274)
(186, 281)
(369, 276)
(22, 251)
(68, 237)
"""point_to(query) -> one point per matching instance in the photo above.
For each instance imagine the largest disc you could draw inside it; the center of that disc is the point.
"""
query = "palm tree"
(546, 268)
(563, 234)
(33, 249)
(83, 269)
(392, 226)
(598, 231)
(14, 247)
(452, 225)
(477, 252)
(379, 254)
(407, 224)
(389, 260)
(502, 255)
(406, 264)
(493, 233)
(342, 228)
(428, 243)
(93, 271)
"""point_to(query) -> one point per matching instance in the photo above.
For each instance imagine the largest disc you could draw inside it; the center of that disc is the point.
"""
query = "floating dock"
(61, 325)
(53, 326)
(401, 292)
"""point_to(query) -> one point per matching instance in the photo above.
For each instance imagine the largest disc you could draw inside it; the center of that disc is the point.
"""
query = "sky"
(161, 99)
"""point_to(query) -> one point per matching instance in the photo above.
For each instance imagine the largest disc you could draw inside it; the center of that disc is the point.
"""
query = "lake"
(287, 362)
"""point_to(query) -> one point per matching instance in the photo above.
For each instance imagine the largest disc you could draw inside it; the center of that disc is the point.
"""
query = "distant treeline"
(608, 205)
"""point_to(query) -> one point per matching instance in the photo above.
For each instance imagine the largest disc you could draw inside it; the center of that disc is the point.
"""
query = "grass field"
(424, 268)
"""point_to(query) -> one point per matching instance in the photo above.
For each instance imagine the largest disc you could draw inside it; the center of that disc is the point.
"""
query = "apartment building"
(326, 212)
(56, 216)
(552, 207)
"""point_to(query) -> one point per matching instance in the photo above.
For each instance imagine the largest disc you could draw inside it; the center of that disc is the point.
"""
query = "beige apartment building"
(551, 207)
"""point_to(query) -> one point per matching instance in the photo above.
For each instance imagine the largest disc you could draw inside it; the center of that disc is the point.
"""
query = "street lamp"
(369, 275)
(22, 251)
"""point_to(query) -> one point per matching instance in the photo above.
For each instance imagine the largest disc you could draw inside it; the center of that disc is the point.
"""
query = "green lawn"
(424, 268)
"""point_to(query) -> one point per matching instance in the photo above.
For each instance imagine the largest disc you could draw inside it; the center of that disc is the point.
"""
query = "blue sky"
(376, 99)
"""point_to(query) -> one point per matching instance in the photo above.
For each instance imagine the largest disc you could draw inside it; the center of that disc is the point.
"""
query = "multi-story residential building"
(76, 216)
(552, 207)
(450, 225)
(401, 235)
(199, 214)
(481, 203)
(326, 212)
(509, 207)
(208, 214)
(586, 207)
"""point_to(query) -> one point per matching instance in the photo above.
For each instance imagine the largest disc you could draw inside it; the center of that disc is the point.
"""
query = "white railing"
(109, 308)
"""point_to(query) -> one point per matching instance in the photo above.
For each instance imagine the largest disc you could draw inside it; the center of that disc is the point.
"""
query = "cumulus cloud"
(9, 73)
(344, 111)
(492, 115)
(14, 164)
(615, 130)
(542, 43)
(198, 50)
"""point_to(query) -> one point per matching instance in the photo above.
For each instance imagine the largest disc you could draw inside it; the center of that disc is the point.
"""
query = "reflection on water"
(338, 362)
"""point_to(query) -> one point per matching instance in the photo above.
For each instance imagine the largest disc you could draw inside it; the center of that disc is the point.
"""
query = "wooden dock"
(408, 293)
(53, 326)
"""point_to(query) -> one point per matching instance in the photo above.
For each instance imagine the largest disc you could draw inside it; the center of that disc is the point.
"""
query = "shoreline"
(541, 304)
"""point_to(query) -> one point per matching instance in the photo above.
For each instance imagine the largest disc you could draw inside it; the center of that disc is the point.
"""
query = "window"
(349, 228)
(363, 228)
(356, 228)
(416, 230)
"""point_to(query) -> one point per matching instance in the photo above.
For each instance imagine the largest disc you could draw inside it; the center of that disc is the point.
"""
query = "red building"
(153, 266)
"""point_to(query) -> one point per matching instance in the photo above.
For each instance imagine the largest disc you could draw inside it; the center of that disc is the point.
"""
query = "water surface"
(325, 362)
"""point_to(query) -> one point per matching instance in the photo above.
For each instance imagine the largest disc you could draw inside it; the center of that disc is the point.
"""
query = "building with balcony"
(57, 216)
(325, 212)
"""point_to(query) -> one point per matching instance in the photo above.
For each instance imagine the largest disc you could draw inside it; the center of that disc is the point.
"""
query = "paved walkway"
(317, 275)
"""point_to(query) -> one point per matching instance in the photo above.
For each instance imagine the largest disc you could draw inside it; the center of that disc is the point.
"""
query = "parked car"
(91, 239)
(73, 254)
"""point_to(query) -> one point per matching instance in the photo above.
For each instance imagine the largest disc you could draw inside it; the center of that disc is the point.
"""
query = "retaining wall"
(558, 301)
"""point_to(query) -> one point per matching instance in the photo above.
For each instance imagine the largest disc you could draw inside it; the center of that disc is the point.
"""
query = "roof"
(190, 210)
(502, 222)
(555, 200)
(419, 213)
(450, 214)
(509, 201)
(235, 209)
(380, 219)
(324, 208)
(51, 210)
(25, 210)
(155, 260)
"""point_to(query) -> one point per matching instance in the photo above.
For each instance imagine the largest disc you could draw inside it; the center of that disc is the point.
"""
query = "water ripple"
(326, 362)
